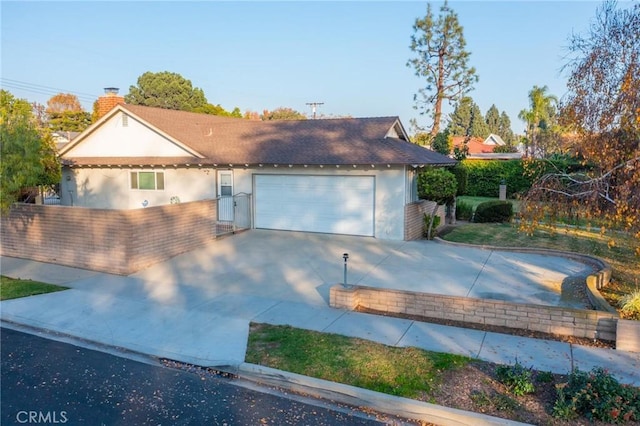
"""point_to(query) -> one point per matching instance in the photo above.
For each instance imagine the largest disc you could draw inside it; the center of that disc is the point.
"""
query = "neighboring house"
(475, 145)
(61, 138)
(346, 176)
(483, 149)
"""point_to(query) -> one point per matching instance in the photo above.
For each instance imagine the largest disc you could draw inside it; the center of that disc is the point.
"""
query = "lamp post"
(345, 256)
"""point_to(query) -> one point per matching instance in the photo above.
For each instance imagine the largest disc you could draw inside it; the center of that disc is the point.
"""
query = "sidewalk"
(214, 332)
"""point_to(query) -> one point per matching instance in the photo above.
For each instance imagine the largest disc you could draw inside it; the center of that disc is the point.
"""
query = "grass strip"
(12, 288)
(407, 372)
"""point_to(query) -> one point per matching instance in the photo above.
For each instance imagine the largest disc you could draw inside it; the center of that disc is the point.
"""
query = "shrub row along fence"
(482, 178)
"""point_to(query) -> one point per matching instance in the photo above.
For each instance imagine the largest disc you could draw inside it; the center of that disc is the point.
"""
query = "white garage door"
(328, 204)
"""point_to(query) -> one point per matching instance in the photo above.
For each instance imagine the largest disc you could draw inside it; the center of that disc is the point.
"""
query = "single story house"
(345, 176)
(479, 149)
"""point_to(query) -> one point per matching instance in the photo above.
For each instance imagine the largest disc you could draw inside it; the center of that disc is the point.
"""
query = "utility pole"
(313, 106)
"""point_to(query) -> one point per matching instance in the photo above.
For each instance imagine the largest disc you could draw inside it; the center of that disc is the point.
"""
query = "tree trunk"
(437, 109)
(433, 216)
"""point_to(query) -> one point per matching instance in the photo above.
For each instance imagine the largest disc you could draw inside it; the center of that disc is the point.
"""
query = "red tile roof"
(224, 140)
(476, 145)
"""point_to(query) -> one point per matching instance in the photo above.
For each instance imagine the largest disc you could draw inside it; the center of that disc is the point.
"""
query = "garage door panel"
(329, 204)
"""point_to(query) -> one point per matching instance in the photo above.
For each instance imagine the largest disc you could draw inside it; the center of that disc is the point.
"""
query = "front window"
(147, 180)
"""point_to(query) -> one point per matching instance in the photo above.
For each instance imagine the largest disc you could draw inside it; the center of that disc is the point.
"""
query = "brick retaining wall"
(114, 241)
(547, 319)
(414, 218)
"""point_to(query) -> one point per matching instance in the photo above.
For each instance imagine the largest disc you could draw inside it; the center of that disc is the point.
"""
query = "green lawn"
(11, 288)
(404, 372)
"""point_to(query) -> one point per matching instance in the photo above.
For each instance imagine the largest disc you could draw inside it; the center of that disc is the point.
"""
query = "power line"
(44, 90)
(313, 107)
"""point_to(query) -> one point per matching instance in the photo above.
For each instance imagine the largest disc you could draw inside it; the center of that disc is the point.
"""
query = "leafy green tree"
(218, 110)
(492, 118)
(439, 185)
(422, 138)
(602, 107)
(283, 113)
(166, 90)
(65, 113)
(442, 60)
(28, 153)
(442, 143)
(540, 119)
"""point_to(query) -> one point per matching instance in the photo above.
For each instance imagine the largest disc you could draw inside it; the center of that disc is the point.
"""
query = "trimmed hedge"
(462, 177)
(493, 211)
(485, 176)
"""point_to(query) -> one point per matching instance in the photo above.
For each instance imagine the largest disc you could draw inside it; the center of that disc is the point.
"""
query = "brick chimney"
(109, 100)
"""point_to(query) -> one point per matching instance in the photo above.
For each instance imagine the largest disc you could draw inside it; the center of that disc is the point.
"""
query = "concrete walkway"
(197, 307)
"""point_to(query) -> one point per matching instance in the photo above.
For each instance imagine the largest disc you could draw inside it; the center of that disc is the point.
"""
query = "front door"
(225, 195)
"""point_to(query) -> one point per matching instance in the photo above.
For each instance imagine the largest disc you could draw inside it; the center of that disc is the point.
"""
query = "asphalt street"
(49, 382)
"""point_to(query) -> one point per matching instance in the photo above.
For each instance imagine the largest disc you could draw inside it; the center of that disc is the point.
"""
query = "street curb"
(358, 397)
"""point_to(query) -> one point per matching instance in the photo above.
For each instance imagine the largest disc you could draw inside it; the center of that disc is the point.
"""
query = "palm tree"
(540, 116)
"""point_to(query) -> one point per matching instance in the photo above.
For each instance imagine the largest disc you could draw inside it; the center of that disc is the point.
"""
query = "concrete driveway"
(197, 306)
(301, 267)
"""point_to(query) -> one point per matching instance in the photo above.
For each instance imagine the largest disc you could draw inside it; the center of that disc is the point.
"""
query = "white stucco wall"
(111, 188)
(112, 139)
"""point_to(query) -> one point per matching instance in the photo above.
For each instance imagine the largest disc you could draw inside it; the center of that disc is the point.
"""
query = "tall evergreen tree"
(467, 120)
(460, 118)
(442, 60)
(492, 119)
(504, 129)
(478, 125)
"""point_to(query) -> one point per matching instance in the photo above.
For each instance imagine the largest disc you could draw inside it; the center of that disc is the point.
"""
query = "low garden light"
(345, 256)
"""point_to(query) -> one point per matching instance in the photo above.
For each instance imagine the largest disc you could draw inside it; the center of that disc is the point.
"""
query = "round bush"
(494, 211)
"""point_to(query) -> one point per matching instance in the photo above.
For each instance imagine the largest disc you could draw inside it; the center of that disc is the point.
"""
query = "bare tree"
(603, 109)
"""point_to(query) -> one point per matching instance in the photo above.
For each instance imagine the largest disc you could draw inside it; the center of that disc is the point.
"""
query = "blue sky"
(262, 55)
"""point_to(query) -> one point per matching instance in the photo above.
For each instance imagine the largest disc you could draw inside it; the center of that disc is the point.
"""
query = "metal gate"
(234, 213)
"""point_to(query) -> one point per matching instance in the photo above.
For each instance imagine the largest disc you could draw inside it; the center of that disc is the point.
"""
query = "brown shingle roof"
(224, 140)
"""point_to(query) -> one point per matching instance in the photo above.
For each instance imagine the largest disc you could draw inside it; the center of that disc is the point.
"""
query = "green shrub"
(427, 220)
(630, 305)
(493, 211)
(517, 378)
(437, 184)
(598, 396)
(464, 210)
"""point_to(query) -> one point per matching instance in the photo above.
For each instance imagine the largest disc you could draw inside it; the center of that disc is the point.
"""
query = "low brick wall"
(547, 319)
(628, 337)
(414, 218)
(114, 241)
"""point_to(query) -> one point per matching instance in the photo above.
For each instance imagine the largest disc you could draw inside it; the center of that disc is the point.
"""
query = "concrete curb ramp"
(358, 397)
